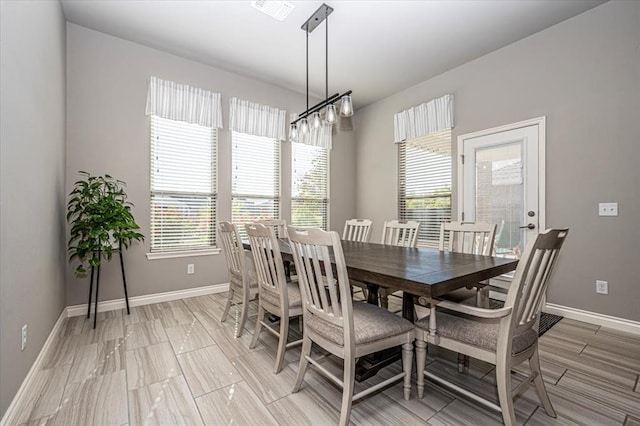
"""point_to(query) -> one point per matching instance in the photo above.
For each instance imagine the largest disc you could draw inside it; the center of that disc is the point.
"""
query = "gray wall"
(109, 133)
(32, 116)
(584, 76)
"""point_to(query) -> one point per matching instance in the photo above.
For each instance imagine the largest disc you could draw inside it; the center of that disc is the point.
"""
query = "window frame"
(326, 200)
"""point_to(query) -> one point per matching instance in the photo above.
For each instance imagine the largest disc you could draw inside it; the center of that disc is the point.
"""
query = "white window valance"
(256, 119)
(424, 119)
(322, 136)
(180, 102)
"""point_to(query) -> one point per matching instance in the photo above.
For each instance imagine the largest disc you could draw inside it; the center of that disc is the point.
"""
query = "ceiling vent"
(276, 9)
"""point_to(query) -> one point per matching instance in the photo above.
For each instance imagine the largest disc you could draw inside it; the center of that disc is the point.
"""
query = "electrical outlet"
(191, 269)
(602, 287)
(24, 337)
(608, 209)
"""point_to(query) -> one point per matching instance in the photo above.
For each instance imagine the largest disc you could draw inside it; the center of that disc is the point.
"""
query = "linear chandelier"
(311, 118)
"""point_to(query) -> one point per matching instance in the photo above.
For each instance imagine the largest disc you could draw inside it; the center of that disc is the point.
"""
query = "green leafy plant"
(100, 216)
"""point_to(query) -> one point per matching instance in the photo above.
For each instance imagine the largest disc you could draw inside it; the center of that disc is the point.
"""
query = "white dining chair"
(346, 329)
(357, 230)
(402, 233)
(504, 337)
(276, 295)
(242, 274)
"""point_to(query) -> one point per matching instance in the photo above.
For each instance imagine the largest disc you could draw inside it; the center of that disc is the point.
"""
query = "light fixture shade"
(331, 115)
(293, 132)
(304, 126)
(315, 120)
(346, 107)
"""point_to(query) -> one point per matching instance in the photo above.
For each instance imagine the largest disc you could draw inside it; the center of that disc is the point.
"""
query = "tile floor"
(174, 363)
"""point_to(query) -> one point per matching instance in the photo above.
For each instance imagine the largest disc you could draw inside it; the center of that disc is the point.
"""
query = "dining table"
(418, 272)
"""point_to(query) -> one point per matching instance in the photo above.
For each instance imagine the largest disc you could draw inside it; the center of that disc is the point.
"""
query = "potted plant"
(101, 220)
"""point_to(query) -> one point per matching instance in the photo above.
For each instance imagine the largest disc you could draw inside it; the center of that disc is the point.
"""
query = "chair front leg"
(347, 390)
(228, 305)
(282, 342)
(541, 390)
(503, 382)
(243, 313)
(407, 359)
(304, 363)
(421, 360)
(256, 332)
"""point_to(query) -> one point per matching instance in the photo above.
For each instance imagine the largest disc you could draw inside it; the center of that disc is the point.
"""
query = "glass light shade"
(331, 115)
(346, 107)
(293, 132)
(304, 126)
(315, 120)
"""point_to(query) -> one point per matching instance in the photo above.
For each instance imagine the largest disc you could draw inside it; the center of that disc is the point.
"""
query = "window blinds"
(183, 186)
(424, 184)
(255, 181)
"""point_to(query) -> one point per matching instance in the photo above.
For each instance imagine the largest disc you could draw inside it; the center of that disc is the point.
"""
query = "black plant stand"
(124, 283)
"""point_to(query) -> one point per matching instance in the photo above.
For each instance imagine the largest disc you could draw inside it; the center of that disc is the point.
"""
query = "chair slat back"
(357, 230)
(279, 226)
(472, 238)
(531, 279)
(267, 260)
(232, 247)
(325, 292)
(402, 233)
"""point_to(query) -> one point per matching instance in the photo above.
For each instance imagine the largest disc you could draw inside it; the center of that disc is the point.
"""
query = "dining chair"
(504, 337)
(357, 230)
(279, 226)
(403, 233)
(242, 275)
(276, 295)
(334, 322)
(470, 238)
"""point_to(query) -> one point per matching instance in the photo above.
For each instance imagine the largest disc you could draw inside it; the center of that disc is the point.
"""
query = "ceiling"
(376, 48)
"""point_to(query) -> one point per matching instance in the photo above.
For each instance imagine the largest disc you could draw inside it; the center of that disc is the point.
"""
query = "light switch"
(608, 209)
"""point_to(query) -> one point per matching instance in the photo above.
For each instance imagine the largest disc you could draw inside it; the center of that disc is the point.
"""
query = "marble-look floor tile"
(141, 314)
(562, 342)
(44, 395)
(174, 316)
(626, 401)
(207, 369)
(61, 351)
(632, 421)
(628, 360)
(540, 418)
(97, 359)
(72, 326)
(210, 320)
(97, 401)
(233, 346)
(200, 303)
(150, 364)
(189, 337)
(551, 373)
(164, 403)
(235, 404)
(108, 329)
(256, 368)
(461, 412)
(145, 333)
(574, 407)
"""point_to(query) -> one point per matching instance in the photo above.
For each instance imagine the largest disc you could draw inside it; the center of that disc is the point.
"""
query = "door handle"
(528, 226)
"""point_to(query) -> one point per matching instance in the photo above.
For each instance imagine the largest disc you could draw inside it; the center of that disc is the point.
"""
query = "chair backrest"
(531, 279)
(357, 230)
(400, 233)
(279, 226)
(233, 252)
(473, 238)
(268, 261)
(325, 294)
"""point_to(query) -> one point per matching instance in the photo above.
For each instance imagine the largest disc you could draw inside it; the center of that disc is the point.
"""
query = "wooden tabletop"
(419, 271)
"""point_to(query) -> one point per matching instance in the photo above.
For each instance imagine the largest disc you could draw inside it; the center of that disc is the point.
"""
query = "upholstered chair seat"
(273, 298)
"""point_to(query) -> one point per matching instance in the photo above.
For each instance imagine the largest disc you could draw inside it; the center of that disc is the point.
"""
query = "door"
(501, 180)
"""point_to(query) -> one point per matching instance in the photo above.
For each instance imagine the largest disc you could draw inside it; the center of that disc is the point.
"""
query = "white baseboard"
(147, 299)
(620, 324)
(9, 415)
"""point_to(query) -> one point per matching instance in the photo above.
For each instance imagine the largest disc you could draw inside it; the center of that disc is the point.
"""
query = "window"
(310, 185)
(424, 184)
(183, 186)
(255, 178)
